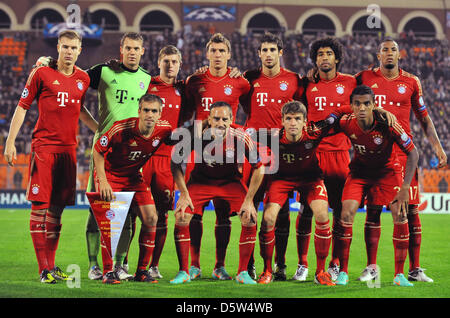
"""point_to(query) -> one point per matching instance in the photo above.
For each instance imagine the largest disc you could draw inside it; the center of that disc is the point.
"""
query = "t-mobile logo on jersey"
(380, 100)
(63, 97)
(163, 102)
(321, 101)
(206, 102)
(261, 98)
(360, 148)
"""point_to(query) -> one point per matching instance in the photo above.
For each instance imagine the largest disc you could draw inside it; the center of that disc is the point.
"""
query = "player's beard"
(326, 69)
(389, 66)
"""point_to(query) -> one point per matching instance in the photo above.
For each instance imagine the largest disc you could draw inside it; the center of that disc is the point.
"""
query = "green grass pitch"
(19, 276)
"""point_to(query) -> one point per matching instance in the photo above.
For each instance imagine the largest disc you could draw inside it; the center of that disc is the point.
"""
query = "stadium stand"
(426, 58)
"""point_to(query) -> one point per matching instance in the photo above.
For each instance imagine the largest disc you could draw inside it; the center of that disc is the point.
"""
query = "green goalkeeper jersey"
(119, 92)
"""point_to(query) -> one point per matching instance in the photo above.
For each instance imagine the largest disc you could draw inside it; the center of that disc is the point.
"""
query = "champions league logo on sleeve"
(25, 93)
(104, 141)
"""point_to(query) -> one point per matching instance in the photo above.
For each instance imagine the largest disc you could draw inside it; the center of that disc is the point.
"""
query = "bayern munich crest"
(228, 90)
(283, 86)
(141, 85)
(378, 140)
(80, 86)
(339, 89)
(110, 215)
(401, 89)
(155, 142)
(35, 189)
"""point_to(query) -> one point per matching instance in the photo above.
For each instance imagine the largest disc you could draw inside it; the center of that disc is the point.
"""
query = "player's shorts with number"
(380, 191)
(278, 191)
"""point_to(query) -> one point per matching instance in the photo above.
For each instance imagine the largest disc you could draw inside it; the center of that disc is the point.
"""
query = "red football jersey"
(172, 96)
(218, 168)
(373, 154)
(398, 95)
(268, 95)
(205, 89)
(59, 99)
(298, 160)
(324, 98)
(126, 150)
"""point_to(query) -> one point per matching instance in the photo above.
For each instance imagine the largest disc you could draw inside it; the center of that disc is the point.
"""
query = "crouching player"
(215, 176)
(375, 172)
(298, 171)
(118, 157)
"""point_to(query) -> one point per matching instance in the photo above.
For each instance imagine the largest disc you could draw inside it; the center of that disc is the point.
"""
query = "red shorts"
(158, 176)
(414, 195)
(278, 191)
(230, 195)
(334, 166)
(53, 179)
(379, 191)
(142, 193)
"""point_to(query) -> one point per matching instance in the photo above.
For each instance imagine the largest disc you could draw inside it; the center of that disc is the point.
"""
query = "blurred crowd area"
(427, 58)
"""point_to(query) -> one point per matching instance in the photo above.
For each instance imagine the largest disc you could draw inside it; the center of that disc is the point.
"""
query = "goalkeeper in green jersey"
(119, 90)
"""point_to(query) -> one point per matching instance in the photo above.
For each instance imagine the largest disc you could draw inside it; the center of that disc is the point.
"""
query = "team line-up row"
(316, 118)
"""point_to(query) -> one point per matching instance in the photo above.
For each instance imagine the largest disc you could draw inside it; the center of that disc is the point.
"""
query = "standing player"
(216, 175)
(119, 91)
(118, 155)
(202, 90)
(60, 94)
(399, 92)
(375, 172)
(271, 87)
(156, 171)
(331, 92)
(298, 171)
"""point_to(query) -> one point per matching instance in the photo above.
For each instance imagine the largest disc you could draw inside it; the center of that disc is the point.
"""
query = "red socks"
(53, 227)
(372, 232)
(400, 239)
(196, 230)
(303, 236)
(182, 245)
(38, 236)
(246, 246)
(160, 239)
(344, 241)
(146, 246)
(222, 232)
(322, 241)
(266, 245)
(415, 236)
